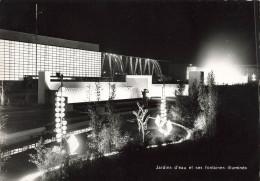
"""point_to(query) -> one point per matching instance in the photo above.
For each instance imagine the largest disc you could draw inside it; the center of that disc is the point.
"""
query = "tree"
(208, 103)
(2, 94)
(96, 125)
(186, 108)
(212, 103)
(141, 119)
(180, 89)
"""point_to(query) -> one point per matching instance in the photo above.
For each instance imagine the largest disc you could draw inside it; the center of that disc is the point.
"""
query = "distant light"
(253, 77)
(225, 72)
(73, 144)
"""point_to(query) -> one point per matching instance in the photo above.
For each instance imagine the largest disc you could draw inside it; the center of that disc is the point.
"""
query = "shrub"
(185, 110)
(107, 135)
(88, 91)
(98, 91)
(208, 103)
(112, 91)
(180, 89)
(96, 125)
(200, 127)
(46, 158)
(2, 142)
(110, 137)
(199, 108)
(142, 119)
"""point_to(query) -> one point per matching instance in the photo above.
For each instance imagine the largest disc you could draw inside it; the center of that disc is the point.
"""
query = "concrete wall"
(43, 86)
(77, 95)
(141, 82)
(156, 90)
(86, 91)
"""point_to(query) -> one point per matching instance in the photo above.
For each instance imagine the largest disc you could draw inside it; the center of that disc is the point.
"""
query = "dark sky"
(175, 31)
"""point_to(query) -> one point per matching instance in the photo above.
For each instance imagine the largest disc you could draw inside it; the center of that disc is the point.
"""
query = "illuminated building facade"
(71, 58)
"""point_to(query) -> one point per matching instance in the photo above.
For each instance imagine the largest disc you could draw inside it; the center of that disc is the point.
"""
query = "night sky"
(174, 31)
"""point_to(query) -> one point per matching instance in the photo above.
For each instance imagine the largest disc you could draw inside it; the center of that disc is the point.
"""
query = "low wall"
(77, 95)
(77, 92)
(170, 89)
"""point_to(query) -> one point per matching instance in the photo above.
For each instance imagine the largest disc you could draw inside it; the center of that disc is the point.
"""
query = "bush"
(107, 135)
(111, 137)
(199, 108)
(2, 141)
(46, 158)
(185, 111)
(200, 127)
(208, 103)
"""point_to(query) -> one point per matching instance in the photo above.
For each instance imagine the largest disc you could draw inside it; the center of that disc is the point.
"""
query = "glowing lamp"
(73, 144)
(253, 77)
(57, 120)
(57, 104)
(58, 135)
(58, 99)
(58, 130)
(57, 115)
(57, 109)
(64, 123)
(58, 125)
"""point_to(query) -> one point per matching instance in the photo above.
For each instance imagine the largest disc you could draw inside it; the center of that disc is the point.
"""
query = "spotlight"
(73, 144)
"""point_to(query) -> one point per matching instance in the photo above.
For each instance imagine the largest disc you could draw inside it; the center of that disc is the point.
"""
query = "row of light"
(61, 124)
(163, 106)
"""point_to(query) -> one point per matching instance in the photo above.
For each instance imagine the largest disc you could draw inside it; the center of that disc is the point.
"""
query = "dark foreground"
(231, 156)
(235, 145)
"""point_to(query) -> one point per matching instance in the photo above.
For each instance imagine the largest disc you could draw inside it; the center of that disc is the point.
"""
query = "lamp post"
(61, 123)
(36, 34)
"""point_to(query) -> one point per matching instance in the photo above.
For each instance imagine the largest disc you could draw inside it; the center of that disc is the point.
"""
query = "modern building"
(72, 58)
(21, 55)
(82, 66)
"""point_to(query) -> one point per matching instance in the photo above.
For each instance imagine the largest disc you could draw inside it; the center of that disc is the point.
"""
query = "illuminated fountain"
(164, 125)
(113, 63)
